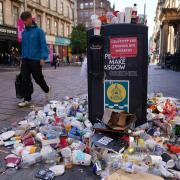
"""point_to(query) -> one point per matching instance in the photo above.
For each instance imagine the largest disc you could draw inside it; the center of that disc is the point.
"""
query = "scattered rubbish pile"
(61, 135)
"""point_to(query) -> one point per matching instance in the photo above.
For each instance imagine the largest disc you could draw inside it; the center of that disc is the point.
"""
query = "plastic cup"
(128, 11)
(97, 27)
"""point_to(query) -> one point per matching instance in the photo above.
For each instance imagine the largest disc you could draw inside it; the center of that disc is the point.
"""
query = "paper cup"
(97, 26)
(120, 15)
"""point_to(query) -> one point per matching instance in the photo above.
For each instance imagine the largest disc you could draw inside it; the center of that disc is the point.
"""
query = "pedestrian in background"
(67, 58)
(54, 60)
(34, 54)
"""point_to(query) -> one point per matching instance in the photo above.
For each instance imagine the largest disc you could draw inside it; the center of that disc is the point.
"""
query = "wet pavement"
(66, 81)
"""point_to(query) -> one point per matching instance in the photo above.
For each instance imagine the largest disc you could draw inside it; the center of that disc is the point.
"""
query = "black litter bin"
(117, 70)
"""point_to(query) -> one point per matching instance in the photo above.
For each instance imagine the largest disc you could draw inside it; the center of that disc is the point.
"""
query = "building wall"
(60, 14)
(166, 29)
(85, 9)
(42, 9)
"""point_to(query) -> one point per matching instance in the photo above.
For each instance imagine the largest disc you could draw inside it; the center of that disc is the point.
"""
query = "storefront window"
(38, 20)
(15, 15)
(61, 8)
(48, 28)
(56, 28)
(1, 13)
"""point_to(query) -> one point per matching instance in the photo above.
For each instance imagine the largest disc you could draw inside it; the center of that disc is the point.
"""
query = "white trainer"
(49, 94)
(24, 104)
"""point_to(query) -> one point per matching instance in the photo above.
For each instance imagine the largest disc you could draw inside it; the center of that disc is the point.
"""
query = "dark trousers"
(33, 67)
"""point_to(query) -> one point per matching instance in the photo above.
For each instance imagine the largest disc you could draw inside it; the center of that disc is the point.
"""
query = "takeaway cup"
(128, 11)
(120, 15)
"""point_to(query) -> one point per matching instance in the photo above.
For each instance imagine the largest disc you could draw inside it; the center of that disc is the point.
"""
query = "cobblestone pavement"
(164, 80)
(66, 81)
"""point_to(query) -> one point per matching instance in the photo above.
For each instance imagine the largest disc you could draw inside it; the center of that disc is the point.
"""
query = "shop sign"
(124, 47)
(62, 41)
(116, 94)
(7, 31)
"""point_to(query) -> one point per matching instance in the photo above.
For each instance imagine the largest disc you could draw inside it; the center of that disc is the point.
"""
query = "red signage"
(124, 47)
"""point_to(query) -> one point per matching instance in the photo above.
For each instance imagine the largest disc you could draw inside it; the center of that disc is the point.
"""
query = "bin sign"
(116, 94)
(124, 47)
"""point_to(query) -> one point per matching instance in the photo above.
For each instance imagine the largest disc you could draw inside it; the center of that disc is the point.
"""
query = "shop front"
(62, 48)
(8, 42)
(50, 44)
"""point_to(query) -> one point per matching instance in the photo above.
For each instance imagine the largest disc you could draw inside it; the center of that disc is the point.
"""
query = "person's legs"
(36, 70)
(26, 79)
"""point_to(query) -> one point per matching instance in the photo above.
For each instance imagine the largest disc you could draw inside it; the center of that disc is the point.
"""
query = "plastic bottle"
(30, 159)
(134, 14)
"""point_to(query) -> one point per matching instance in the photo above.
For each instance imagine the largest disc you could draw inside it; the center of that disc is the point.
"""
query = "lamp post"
(94, 7)
(25, 5)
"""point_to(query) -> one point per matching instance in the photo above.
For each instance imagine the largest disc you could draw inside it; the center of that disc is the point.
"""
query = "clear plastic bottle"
(30, 159)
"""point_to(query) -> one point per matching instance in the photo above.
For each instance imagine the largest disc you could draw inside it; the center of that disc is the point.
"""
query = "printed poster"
(124, 47)
(116, 94)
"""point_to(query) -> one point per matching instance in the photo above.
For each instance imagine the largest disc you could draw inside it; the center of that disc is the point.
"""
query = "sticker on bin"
(116, 94)
(105, 140)
(124, 47)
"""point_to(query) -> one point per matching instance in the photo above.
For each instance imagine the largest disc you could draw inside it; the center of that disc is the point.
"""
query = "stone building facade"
(85, 9)
(55, 17)
(166, 36)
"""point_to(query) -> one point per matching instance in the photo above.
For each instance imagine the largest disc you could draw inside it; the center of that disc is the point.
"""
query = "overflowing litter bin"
(117, 70)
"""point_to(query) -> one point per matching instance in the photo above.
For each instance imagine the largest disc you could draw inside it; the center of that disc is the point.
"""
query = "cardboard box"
(121, 175)
(118, 120)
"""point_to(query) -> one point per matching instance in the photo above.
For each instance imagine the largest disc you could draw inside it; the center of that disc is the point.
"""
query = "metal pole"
(94, 7)
(25, 5)
(144, 12)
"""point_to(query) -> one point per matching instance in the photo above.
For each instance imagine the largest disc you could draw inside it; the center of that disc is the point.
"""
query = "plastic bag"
(84, 68)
